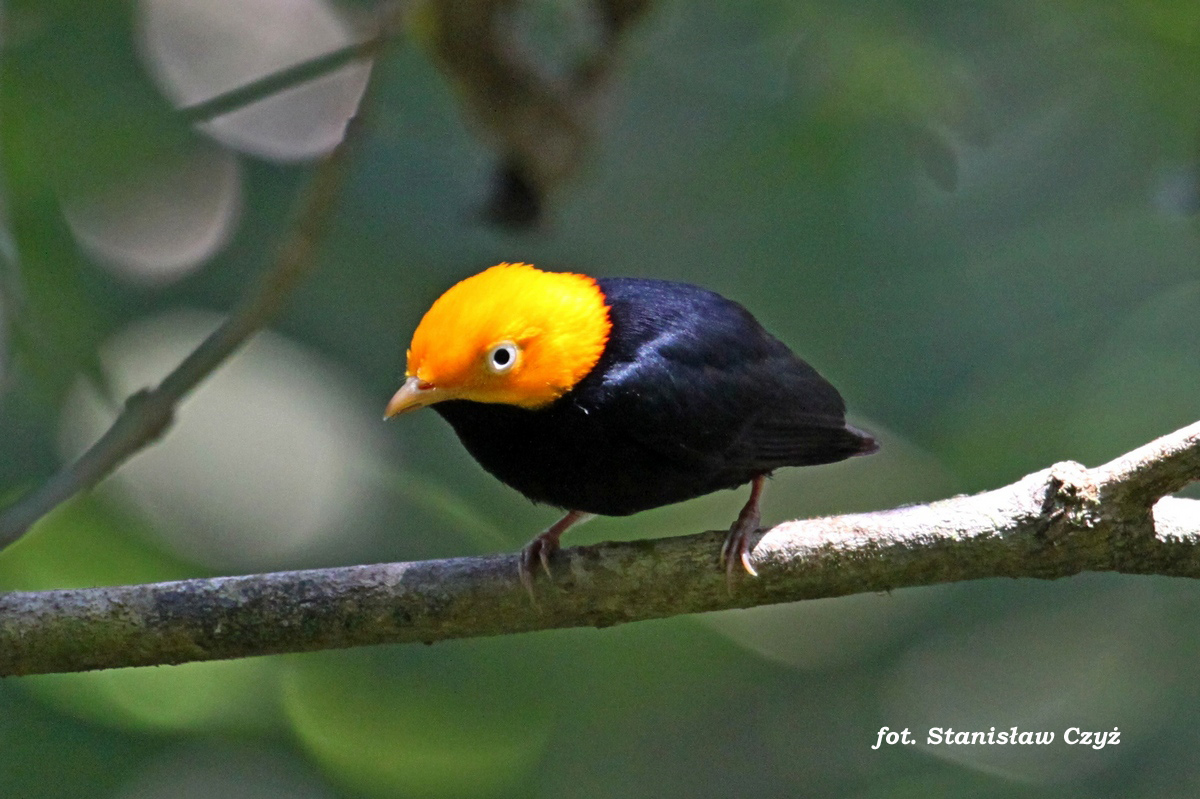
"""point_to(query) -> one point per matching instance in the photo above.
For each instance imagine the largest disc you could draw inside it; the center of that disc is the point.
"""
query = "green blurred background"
(977, 219)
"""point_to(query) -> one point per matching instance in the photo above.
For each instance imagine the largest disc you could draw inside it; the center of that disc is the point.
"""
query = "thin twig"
(1054, 523)
(148, 413)
(271, 84)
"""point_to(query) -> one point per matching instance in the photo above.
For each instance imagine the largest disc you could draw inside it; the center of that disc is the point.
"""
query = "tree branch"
(275, 82)
(1054, 523)
(148, 413)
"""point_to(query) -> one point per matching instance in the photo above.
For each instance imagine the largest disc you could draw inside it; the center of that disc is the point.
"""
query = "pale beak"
(414, 394)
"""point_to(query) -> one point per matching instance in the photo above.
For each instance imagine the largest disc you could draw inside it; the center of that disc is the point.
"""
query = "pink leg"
(542, 547)
(736, 548)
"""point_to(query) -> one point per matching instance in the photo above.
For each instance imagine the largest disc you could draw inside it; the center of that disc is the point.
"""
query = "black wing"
(693, 376)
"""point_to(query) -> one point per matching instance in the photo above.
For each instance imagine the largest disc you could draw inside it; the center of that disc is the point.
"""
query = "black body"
(691, 395)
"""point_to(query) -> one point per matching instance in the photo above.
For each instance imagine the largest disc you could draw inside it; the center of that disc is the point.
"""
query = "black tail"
(864, 442)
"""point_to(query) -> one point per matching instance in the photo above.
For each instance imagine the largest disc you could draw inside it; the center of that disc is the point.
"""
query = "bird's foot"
(537, 551)
(736, 549)
(541, 548)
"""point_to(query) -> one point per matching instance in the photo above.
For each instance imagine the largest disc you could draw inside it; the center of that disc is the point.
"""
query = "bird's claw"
(536, 551)
(542, 547)
(736, 548)
(735, 551)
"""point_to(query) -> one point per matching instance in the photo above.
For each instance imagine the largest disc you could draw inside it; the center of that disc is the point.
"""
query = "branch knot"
(1072, 501)
(150, 411)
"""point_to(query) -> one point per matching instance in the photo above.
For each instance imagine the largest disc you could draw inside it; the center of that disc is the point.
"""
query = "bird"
(614, 395)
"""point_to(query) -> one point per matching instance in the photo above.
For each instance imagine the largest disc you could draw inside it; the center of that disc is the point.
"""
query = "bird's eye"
(502, 357)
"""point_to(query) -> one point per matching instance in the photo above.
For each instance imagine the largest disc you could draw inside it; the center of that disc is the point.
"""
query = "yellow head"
(511, 334)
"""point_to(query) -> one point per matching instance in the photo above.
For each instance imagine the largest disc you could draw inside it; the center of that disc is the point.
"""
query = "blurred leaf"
(1157, 43)
(48, 755)
(76, 123)
(230, 695)
(83, 543)
(1047, 662)
(935, 153)
(1144, 380)
(414, 737)
(885, 70)
(1170, 22)
(229, 770)
(934, 782)
(442, 502)
(55, 330)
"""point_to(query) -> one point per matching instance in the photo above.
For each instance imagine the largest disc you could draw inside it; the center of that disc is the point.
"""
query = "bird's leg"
(542, 547)
(736, 548)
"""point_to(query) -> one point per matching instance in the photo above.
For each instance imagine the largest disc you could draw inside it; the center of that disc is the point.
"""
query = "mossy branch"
(1053, 523)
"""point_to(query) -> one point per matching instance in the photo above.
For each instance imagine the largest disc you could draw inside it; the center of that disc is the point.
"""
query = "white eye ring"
(502, 357)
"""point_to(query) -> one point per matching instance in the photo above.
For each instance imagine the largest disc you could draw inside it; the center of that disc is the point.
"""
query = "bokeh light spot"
(164, 220)
(202, 48)
(269, 463)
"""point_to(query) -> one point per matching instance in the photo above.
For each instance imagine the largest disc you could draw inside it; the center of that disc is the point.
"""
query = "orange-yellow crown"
(510, 334)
